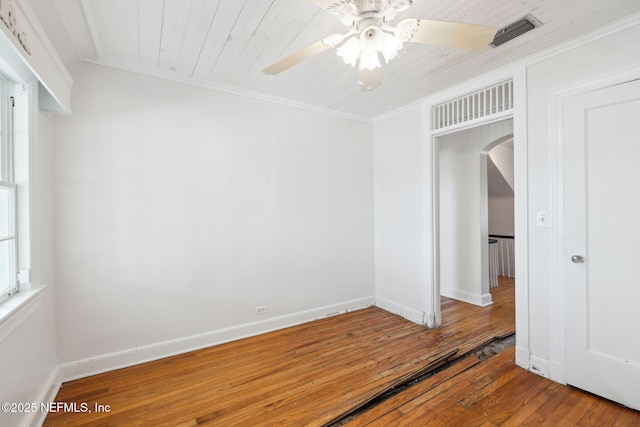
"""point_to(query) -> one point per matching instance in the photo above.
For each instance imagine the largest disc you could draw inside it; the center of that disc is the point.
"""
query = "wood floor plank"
(412, 392)
(439, 405)
(540, 417)
(627, 418)
(557, 416)
(503, 403)
(441, 396)
(573, 415)
(518, 418)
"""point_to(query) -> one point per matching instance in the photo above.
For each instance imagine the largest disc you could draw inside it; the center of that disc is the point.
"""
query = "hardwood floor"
(494, 393)
(316, 373)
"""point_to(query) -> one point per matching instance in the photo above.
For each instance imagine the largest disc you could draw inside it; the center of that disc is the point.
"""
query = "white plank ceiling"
(227, 43)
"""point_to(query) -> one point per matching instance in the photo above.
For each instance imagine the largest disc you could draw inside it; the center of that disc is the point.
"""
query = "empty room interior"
(319, 212)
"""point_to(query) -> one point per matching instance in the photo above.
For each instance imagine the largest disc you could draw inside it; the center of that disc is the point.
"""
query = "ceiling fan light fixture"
(390, 47)
(366, 50)
(369, 60)
(370, 46)
(350, 51)
(371, 40)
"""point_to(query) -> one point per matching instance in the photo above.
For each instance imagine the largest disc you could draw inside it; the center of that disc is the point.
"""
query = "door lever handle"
(577, 259)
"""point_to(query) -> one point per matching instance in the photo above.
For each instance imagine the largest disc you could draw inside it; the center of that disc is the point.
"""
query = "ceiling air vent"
(514, 30)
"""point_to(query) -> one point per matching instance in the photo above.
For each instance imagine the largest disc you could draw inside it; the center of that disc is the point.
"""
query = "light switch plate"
(542, 220)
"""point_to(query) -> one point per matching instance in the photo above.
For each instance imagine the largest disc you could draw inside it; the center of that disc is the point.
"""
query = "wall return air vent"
(514, 30)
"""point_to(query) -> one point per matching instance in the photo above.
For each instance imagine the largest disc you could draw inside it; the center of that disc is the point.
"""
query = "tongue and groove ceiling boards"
(227, 43)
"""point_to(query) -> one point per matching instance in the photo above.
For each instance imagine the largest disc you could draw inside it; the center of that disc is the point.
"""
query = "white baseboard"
(553, 370)
(47, 394)
(121, 359)
(479, 300)
(410, 314)
(539, 365)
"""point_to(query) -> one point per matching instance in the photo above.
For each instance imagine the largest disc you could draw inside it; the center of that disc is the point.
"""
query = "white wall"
(500, 191)
(28, 364)
(610, 55)
(502, 157)
(464, 211)
(179, 210)
(501, 215)
(402, 215)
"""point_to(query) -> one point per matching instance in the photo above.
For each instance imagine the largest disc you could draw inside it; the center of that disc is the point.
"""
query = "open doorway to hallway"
(462, 207)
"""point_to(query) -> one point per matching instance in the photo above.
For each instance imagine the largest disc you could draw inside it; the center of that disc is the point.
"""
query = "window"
(9, 283)
(8, 242)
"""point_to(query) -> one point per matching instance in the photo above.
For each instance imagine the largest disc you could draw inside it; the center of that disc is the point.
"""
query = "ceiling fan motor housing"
(369, 5)
(366, 24)
(370, 39)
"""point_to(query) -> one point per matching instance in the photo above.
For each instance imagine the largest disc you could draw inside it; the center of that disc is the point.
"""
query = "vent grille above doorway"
(483, 103)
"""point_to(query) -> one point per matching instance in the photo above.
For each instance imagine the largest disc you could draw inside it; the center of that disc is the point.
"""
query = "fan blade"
(369, 80)
(299, 56)
(449, 34)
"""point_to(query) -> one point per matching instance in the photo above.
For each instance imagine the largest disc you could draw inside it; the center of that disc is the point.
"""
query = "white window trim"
(18, 308)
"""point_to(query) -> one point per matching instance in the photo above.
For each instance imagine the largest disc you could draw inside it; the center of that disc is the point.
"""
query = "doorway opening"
(462, 209)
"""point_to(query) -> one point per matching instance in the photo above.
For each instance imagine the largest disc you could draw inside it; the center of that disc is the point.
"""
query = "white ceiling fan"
(370, 36)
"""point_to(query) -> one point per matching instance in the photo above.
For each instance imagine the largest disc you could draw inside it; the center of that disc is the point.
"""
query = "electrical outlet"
(261, 309)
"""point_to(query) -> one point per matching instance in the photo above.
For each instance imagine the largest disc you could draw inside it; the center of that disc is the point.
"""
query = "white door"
(601, 192)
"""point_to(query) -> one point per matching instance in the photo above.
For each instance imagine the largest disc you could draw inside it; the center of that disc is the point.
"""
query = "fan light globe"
(366, 51)
(369, 61)
(350, 51)
(390, 47)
